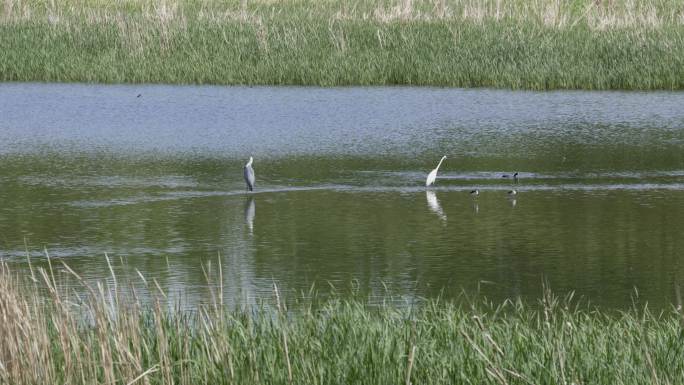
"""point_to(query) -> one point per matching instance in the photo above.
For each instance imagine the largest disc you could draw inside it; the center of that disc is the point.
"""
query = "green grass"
(106, 337)
(544, 44)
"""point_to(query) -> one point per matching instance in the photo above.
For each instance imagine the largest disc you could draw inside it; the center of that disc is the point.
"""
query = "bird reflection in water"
(434, 205)
(512, 195)
(250, 211)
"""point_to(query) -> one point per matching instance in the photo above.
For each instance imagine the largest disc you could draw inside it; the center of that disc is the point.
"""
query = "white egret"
(249, 175)
(433, 174)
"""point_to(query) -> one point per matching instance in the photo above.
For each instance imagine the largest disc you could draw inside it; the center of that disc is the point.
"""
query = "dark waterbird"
(249, 175)
(515, 176)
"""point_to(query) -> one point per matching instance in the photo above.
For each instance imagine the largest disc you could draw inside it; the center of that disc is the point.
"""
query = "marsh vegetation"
(546, 44)
(106, 334)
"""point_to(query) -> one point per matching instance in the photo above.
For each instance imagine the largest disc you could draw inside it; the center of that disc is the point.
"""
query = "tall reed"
(545, 44)
(105, 333)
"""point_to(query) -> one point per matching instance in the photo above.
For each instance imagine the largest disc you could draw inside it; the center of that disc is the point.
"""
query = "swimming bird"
(475, 192)
(515, 176)
(513, 192)
(433, 174)
(249, 175)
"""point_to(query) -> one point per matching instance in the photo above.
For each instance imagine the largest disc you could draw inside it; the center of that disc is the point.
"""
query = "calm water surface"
(155, 182)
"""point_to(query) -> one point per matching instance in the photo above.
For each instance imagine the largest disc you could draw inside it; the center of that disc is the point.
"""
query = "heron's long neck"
(249, 164)
(440, 163)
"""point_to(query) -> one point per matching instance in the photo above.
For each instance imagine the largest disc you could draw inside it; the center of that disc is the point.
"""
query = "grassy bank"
(543, 44)
(101, 337)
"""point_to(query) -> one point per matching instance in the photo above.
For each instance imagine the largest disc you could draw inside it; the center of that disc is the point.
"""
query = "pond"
(152, 176)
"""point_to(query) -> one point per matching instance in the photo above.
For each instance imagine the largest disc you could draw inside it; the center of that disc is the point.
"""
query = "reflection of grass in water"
(519, 44)
(104, 338)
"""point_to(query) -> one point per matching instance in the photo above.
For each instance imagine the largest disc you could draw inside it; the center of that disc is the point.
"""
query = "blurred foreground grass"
(107, 333)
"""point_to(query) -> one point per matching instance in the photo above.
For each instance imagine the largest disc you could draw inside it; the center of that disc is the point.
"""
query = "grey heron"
(249, 175)
(433, 174)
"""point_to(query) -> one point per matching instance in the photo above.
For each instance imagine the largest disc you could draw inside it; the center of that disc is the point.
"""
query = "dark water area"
(155, 182)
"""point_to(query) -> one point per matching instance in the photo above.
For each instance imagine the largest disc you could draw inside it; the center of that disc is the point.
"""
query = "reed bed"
(100, 333)
(540, 44)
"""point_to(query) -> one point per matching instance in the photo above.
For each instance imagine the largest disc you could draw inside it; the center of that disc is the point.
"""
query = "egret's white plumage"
(433, 174)
(249, 175)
